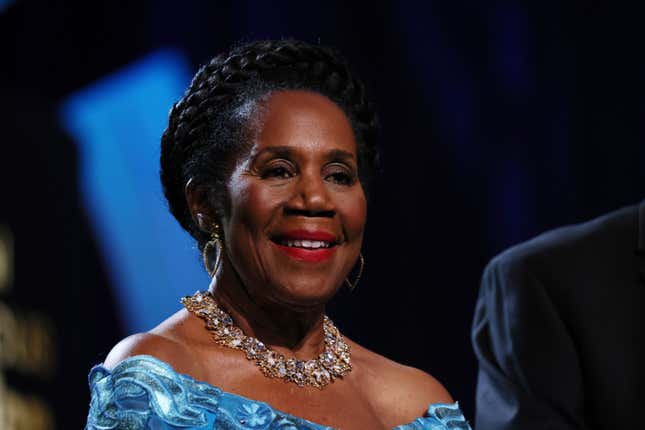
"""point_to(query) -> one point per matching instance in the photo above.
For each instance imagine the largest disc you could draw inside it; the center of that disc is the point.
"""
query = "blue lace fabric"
(143, 392)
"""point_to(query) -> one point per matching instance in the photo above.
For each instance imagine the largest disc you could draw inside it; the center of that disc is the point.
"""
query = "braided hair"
(206, 132)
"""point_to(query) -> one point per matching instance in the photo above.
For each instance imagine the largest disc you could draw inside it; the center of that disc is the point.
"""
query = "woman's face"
(297, 209)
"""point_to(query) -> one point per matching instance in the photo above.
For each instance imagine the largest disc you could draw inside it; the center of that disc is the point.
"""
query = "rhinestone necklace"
(333, 363)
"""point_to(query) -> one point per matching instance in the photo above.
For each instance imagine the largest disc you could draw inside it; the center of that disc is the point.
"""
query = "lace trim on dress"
(143, 392)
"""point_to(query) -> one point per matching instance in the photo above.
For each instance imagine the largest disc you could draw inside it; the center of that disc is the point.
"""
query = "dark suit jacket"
(559, 329)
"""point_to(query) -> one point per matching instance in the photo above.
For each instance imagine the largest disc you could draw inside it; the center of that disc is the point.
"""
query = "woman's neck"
(288, 331)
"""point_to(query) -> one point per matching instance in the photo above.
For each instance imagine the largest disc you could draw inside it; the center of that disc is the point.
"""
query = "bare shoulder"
(164, 342)
(416, 387)
(142, 344)
(396, 389)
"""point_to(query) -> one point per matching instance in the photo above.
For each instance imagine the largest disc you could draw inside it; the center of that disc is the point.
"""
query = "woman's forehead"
(302, 120)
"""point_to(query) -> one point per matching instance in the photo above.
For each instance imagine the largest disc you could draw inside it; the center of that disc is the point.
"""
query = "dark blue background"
(501, 119)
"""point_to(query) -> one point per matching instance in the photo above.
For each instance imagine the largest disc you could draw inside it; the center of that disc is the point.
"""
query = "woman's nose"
(311, 195)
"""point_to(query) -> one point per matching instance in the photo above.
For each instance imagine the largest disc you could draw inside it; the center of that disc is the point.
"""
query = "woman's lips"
(307, 245)
(307, 254)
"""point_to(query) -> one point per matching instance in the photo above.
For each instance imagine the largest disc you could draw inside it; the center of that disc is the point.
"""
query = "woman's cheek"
(258, 204)
(355, 214)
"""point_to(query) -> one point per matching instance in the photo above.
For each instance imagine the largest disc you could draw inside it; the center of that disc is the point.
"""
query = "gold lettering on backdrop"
(6, 259)
(26, 342)
(27, 345)
(22, 412)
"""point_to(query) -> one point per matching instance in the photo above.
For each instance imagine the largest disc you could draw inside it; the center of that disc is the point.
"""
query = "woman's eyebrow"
(280, 151)
(339, 154)
(288, 151)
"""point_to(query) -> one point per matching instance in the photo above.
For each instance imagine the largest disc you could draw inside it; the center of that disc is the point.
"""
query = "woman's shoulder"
(396, 387)
(165, 343)
(396, 378)
(149, 380)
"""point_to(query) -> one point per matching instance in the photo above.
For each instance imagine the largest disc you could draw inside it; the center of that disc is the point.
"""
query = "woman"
(264, 162)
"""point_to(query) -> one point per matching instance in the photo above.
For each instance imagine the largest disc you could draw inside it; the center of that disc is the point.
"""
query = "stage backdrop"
(500, 120)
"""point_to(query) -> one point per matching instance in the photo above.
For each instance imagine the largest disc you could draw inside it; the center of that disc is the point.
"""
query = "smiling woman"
(297, 184)
(265, 163)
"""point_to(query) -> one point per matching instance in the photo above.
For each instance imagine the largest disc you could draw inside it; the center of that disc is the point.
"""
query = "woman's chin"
(303, 299)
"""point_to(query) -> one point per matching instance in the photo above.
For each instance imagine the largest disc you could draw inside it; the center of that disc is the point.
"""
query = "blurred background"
(501, 119)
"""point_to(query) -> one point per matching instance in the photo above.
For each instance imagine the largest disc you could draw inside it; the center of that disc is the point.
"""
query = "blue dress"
(143, 392)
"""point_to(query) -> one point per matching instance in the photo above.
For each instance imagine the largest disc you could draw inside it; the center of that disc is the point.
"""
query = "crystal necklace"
(333, 363)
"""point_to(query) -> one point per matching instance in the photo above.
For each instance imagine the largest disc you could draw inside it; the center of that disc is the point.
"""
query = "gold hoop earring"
(216, 244)
(352, 285)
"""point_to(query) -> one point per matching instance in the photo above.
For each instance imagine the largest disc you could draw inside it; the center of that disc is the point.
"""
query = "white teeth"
(310, 244)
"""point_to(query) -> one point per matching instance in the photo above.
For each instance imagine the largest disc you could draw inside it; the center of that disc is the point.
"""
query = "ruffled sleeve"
(440, 416)
(145, 393)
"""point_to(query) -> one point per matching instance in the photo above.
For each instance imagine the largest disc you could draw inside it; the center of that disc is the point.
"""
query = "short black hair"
(205, 134)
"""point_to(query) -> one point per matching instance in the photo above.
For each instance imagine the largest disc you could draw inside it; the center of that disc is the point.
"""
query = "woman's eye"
(280, 172)
(341, 178)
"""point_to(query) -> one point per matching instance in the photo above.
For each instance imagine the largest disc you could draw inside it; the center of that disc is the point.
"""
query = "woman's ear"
(199, 206)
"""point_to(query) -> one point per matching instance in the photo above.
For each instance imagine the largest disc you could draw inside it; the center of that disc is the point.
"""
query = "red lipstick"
(309, 235)
(307, 254)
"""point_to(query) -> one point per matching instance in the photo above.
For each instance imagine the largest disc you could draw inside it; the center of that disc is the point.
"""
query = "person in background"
(559, 329)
